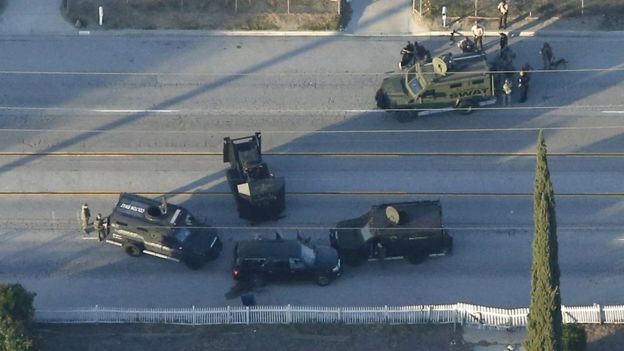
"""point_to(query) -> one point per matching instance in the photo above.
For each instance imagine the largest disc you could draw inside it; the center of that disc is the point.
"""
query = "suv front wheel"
(323, 279)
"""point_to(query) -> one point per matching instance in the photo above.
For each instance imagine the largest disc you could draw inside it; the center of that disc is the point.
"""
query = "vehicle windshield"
(308, 256)
(411, 79)
(182, 234)
(366, 232)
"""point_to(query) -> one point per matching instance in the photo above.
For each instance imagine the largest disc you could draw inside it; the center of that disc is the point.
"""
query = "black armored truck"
(259, 195)
(412, 230)
(142, 225)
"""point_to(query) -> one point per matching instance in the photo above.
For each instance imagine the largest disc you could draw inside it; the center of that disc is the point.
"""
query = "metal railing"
(465, 314)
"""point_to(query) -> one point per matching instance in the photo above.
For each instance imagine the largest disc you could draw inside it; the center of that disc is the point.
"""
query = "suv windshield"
(308, 256)
(182, 234)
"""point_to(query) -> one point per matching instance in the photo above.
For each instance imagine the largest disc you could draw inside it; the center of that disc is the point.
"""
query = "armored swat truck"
(447, 83)
(258, 193)
(144, 226)
(412, 230)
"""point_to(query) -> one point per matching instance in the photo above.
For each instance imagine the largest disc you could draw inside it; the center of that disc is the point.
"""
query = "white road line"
(137, 111)
(614, 112)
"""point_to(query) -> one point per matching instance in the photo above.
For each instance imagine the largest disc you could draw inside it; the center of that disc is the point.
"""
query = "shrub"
(574, 337)
(16, 313)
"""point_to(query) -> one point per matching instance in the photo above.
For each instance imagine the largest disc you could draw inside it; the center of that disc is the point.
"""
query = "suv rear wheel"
(323, 279)
(132, 249)
(417, 257)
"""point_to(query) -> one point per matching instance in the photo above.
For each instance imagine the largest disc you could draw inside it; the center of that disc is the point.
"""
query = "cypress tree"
(544, 330)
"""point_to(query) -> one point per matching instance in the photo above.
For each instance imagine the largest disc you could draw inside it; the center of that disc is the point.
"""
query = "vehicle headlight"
(337, 267)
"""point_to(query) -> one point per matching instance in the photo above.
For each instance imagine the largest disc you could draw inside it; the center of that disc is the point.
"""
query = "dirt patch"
(209, 14)
(144, 337)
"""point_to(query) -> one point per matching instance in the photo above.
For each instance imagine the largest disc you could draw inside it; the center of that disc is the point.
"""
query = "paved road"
(169, 95)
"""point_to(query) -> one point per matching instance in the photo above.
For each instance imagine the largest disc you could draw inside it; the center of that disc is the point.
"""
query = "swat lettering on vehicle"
(466, 93)
(132, 208)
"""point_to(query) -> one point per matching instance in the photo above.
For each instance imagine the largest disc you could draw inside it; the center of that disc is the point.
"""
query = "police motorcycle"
(466, 45)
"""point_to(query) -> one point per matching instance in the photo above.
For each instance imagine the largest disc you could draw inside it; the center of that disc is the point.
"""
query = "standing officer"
(523, 85)
(547, 55)
(503, 41)
(479, 33)
(98, 225)
(503, 9)
(85, 214)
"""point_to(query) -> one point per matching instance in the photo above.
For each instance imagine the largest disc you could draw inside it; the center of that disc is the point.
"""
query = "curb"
(212, 33)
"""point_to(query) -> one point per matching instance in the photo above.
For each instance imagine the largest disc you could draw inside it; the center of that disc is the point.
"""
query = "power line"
(273, 74)
(65, 225)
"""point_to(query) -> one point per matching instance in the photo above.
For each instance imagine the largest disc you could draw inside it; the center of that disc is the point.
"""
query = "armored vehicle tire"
(132, 249)
(465, 107)
(194, 263)
(417, 257)
(448, 245)
(323, 279)
(404, 116)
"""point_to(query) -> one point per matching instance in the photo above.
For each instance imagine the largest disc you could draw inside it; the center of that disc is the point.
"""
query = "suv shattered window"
(308, 256)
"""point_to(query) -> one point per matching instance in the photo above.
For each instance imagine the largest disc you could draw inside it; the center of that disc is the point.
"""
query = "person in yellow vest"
(507, 90)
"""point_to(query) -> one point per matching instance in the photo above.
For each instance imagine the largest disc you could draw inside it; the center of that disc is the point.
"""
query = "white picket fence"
(460, 313)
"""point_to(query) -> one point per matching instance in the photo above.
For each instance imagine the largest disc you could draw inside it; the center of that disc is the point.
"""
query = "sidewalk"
(382, 17)
(24, 17)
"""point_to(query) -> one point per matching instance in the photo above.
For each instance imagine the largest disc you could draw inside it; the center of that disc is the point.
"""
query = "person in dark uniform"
(98, 225)
(523, 85)
(85, 214)
(503, 41)
(408, 56)
(547, 55)
(380, 250)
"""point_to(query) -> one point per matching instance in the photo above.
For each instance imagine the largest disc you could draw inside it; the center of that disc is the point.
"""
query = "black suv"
(144, 226)
(406, 229)
(260, 260)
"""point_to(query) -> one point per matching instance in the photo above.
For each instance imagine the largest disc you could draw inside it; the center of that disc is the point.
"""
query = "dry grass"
(208, 14)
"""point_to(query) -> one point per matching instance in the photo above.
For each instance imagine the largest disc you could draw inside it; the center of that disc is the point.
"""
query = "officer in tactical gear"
(523, 85)
(98, 225)
(85, 215)
(547, 56)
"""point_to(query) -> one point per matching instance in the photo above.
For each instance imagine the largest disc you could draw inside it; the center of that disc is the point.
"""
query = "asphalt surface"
(109, 98)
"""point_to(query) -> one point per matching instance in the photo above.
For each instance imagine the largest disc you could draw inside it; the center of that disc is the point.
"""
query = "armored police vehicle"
(259, 195)
(279, 259)
(447, 83)
(144, 226)
(412, 230)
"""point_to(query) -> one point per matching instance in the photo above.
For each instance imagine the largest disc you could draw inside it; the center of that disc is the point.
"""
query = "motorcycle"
(466, 44)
